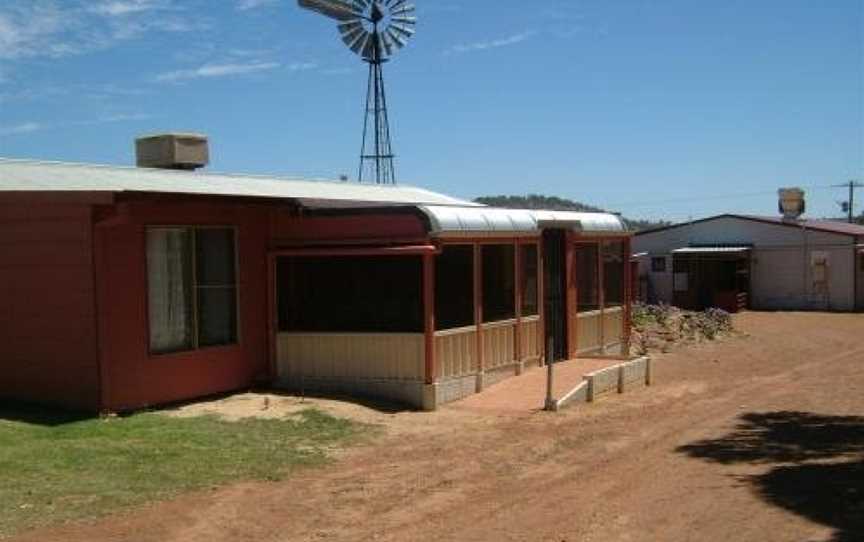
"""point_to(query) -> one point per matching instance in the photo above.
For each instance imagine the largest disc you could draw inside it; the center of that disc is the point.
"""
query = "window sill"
(193, 352)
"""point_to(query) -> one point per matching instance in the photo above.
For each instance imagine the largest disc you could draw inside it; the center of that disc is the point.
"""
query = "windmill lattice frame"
(375, 30)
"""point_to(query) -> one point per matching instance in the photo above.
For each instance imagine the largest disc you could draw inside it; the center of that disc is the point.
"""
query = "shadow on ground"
(817, 465)
(40, 415)
(379, 405)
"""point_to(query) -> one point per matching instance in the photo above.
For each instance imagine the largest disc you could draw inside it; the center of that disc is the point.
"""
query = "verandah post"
(517, 278)
(429, 317)
(628, 297)
(478, 311)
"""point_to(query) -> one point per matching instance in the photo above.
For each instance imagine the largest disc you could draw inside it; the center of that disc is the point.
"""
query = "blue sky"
(661, 109)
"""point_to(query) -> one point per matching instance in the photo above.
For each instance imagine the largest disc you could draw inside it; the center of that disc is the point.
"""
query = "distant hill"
(536, 201)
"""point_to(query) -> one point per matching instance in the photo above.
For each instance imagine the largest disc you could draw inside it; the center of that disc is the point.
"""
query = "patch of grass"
(51, 472)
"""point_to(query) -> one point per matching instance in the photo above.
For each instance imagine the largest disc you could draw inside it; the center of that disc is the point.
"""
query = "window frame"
(596, 302)
(510, 270)
(474, 286)
(522, 278)
(196, 347)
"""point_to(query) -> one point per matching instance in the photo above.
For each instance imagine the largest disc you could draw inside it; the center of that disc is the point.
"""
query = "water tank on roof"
(792, 203)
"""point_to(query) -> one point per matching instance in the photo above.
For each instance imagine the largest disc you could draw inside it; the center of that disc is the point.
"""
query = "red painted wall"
(73, 295)
(361, 229)
(132, 377)
(48, 346)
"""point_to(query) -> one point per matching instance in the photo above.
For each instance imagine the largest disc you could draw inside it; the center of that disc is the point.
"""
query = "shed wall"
(48, 349)
(859, 265)
(133, 378)
(781, 272)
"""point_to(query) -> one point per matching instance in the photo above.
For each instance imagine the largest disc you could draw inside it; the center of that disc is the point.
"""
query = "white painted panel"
(859, 265)
(778, 280)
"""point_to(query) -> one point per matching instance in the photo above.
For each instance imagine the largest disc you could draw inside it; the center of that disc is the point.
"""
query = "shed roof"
(38, 176)
(828, 226)
(462, 220)
(712, 250)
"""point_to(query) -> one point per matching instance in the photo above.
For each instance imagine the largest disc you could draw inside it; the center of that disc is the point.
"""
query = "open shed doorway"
(555, 292)
(712, 277)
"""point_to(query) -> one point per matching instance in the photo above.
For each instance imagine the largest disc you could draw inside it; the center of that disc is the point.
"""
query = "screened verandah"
(456, 316)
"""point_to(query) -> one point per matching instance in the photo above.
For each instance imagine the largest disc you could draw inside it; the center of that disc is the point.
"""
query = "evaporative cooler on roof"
(375, 30)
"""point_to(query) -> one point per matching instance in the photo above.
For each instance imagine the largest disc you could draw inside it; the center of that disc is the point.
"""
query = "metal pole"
(550, 375)
(366, 120)
(377, 63)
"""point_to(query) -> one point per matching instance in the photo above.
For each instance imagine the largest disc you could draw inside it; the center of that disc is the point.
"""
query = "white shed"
(765, 263)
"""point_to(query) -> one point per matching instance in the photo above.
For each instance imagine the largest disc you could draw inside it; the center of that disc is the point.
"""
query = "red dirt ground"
(614, 471)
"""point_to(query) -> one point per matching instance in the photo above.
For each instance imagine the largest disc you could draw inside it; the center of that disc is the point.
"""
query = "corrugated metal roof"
(829, 226)
(461, 220)
(712, 250)
(34, 176)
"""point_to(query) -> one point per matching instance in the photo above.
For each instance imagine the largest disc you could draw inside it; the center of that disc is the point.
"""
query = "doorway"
(555, 292)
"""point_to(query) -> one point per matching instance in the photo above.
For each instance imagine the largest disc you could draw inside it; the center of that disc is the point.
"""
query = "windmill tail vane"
(374, 30)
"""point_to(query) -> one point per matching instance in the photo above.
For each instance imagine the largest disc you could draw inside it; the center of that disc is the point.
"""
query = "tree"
(537, 201)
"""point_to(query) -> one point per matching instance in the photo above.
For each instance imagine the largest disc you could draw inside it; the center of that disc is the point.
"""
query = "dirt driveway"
(757, 438)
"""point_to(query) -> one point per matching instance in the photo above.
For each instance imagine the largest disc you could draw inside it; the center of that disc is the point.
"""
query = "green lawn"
(55, 467)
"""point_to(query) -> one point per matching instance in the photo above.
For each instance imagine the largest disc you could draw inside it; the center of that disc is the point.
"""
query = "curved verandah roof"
(466, 221)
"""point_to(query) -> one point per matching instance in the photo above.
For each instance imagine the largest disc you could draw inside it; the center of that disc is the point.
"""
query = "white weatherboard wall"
(782, 271)
(860, 266)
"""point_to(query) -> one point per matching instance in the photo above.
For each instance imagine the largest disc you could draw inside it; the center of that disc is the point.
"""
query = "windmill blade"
(387, 44)
(341, 10)
(403, 31)
(360, 45)
(369, 48)
(350, 37)
(404, 9)
(350, 26)
(405, 20)
(395, 37)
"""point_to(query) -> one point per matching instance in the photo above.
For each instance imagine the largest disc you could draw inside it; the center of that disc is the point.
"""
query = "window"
(350, 294)
(587, 281)
(682, 269)
(499, 282)
(658, 265)
(192, 288)
(613, 273)
(454, 287)
(530, 283)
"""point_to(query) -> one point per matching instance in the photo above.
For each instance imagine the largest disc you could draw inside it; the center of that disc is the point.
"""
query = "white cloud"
(302, 66)
(492, 44)
(245, 5)
(216, 70)
(119, 8)
(19, 129)
(55, 28)
(338, 71)
(31, 127)
(111, 119)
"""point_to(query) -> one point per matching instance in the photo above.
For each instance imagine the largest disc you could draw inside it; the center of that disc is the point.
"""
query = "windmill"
(375, 30)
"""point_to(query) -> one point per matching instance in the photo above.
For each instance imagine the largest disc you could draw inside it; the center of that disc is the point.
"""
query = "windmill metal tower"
(375, 30)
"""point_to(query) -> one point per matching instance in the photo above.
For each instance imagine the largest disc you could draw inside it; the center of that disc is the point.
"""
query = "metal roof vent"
(172, 151)
(792, 203)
